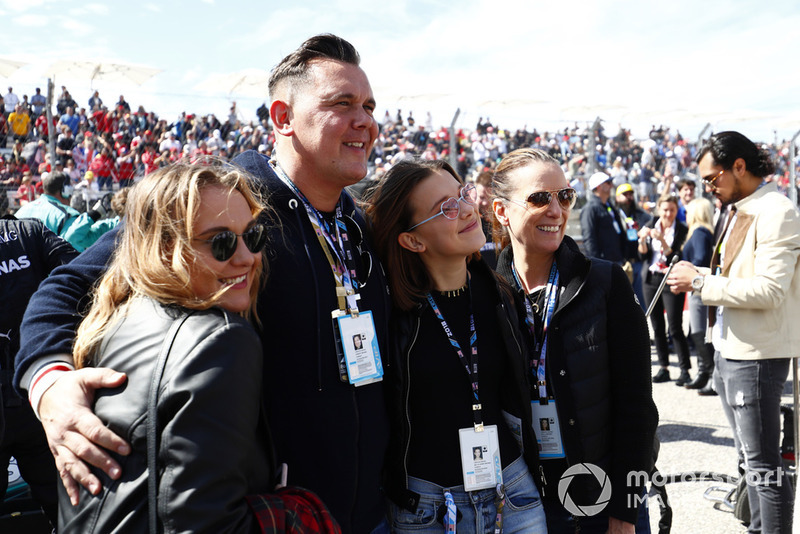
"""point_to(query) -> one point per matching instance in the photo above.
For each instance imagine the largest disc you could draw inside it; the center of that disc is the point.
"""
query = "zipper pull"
(544, 480)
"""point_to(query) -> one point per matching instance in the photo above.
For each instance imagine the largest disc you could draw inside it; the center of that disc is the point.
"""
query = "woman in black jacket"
(592, 404)
(659, 242)
(179, 290)
(456, 376)
(697, 250)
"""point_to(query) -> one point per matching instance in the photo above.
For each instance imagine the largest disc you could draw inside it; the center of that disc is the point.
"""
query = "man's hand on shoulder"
(75, 435)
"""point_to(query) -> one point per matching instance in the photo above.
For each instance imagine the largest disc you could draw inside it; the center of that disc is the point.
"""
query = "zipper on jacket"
(407, 394)
(293, 206)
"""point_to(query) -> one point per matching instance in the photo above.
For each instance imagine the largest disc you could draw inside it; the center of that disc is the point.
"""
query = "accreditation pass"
(480, 458)
(360, 346)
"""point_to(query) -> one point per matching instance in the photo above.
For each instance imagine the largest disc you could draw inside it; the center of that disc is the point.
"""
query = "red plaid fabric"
(292, 511)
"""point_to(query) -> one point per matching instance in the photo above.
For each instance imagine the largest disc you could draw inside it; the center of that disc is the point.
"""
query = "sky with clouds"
(682, 63)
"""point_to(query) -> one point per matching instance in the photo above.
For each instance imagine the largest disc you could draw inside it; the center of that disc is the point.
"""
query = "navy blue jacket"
(600, 239)
(332, 436)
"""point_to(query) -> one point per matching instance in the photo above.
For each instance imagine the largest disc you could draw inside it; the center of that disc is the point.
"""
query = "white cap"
(598, 179)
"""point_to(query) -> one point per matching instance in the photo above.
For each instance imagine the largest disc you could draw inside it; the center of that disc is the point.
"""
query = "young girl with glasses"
(456, 376)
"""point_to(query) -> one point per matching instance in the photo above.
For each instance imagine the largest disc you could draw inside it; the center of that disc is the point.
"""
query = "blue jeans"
(560, 521)
(750, 391)
(523, 510)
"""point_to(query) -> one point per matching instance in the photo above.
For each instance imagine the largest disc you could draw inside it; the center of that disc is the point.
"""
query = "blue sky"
(683, 63)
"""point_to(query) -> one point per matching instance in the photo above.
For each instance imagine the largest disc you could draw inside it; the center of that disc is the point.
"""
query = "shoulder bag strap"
(152, 424)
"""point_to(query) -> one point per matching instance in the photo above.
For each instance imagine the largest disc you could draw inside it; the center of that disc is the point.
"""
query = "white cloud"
(89, 9)
(152, 7)
(77, 27)
(31, 21)
(98, 9)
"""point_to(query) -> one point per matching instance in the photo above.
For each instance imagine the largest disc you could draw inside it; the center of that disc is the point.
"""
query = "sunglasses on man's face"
(224, 244)
(541, 199)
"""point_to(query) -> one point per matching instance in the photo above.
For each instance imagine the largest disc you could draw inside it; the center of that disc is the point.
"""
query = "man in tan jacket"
(753, 290)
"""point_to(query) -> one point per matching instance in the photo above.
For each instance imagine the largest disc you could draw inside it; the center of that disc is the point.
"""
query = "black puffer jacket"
(213, 447)
(598, 370)
(405, 327)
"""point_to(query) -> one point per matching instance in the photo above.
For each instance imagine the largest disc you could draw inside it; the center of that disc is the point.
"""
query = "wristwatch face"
(697, 282)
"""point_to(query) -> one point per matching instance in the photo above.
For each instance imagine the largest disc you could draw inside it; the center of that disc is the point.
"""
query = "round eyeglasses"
(450, 208)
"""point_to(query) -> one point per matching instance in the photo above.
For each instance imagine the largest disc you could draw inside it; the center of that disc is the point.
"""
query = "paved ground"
(695, 436)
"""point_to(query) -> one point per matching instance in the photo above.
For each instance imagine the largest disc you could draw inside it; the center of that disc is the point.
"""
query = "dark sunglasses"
(224, 244)
(541, 199)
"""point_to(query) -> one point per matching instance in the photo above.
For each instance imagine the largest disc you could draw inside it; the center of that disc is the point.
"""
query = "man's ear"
(280, 112)
(409, 241)
(739, 167)
(499, 208)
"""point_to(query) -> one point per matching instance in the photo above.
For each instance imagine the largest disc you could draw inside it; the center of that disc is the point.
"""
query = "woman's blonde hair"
(699, 213)
(503, 186)
(154, 253)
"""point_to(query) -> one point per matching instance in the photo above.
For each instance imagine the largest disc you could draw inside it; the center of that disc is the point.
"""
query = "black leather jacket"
(405, 327)
(213, 446)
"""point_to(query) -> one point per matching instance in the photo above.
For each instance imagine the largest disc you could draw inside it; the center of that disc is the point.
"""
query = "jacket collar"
(572, 265)
(746, 204)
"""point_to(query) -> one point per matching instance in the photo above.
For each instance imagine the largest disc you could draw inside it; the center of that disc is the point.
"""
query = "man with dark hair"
(686, 191)
(634, 219)
(331, 434)
(53, 209)
(753, 292)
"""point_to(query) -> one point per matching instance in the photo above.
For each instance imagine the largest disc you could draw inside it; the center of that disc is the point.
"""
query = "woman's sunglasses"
(450, 208)
(541, 199)
(224, 244)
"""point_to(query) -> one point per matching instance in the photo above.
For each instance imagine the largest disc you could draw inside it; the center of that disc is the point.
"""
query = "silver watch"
(697, 282)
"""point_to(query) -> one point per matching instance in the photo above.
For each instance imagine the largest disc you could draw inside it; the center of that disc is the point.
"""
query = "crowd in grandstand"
(107, 145)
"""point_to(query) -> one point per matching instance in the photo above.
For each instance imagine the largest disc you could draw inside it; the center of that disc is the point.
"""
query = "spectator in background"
(697, 250)
(10, 101)
(122, 105)
(36, 251)
(686, 191)
(95, 102)
(659, 242)
(20, 123)
(601, 224)
(70, 120)
(634, 219)
(53, 209)
(38, 102)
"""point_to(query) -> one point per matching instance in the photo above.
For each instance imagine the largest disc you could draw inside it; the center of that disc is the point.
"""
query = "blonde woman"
(588, 362)
(697, 250)
(182, 283)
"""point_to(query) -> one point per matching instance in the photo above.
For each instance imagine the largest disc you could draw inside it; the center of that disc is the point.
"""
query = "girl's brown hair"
(390, 212)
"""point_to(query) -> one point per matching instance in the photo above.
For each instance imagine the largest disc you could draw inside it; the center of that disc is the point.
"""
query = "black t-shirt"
(440, 401)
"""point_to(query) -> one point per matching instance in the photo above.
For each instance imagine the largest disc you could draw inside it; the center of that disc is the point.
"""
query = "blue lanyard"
(613, 218)
(541, 344)
(471, 365)
(334, 240)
